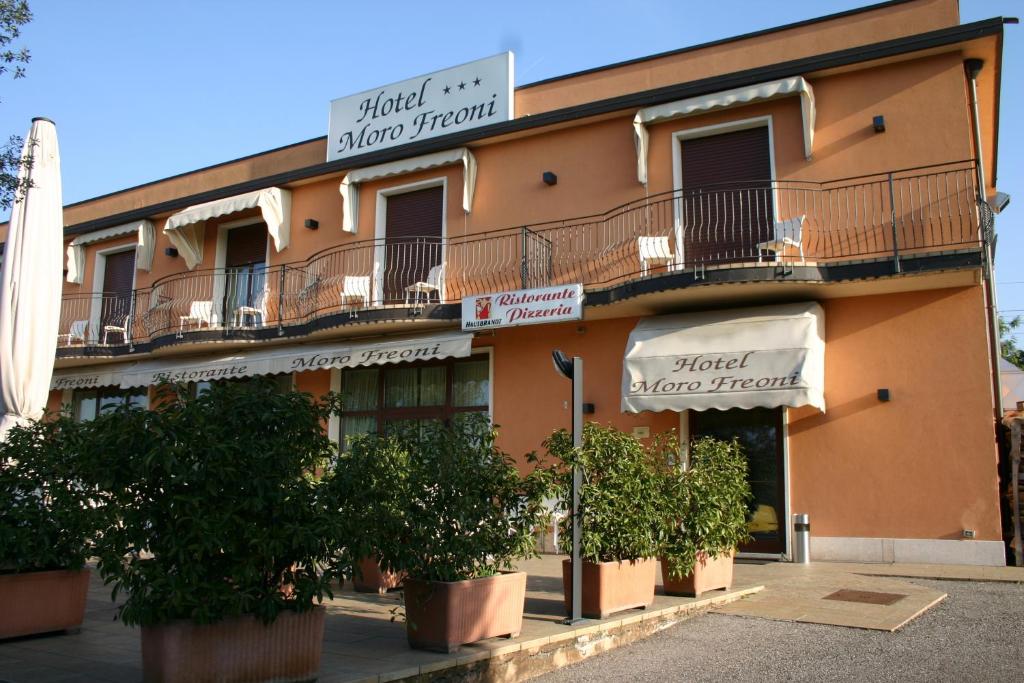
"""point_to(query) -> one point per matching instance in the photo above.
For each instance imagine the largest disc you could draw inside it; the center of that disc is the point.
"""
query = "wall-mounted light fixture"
(878, 123)
(588, 408)
(549, 178)
(883, 395)
(312, 223)
(171, 251)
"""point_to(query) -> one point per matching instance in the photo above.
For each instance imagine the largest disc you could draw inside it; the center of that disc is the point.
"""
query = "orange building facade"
(831, 165)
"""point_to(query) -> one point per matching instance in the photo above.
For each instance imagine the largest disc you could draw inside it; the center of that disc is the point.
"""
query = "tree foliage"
(217, 512)
(442, 503)
(48, 511)
(621, 503)
(706, 504)
(1007, 344)
(13, 15)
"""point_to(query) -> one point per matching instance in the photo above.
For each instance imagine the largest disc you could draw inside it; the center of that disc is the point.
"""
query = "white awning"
(350, 184)
(186, 229)
(145, 230)
(727, 98)
(89, 377)
(761, 357)
(299, 359)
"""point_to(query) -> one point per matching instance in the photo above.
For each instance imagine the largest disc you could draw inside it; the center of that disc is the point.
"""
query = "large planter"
(236, 649)
(370, 578)
(708, 574)
(40, 602)
(610, 587)
(443, 615)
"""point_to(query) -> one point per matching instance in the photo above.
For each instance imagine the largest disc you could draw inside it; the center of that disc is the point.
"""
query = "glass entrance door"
(759, 431)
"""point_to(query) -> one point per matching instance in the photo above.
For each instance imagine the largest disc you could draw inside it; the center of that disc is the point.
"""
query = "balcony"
(912, 219)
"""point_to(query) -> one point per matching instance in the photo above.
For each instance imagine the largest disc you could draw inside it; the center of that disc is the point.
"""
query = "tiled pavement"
(362, 643)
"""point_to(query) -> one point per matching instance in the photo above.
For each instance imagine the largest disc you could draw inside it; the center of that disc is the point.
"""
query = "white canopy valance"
(89, 377)
(292, 359)
(145, 230)
(727, 98)
(186, 229)
(762, 357)
(350, 185)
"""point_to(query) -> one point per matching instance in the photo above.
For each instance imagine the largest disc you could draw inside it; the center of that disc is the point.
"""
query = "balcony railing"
(886, 216)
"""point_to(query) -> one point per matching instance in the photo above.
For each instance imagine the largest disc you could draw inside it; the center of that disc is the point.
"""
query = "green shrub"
(441, 503)
(621, 507)
(706, 504)
(220, 515)
(48, 513)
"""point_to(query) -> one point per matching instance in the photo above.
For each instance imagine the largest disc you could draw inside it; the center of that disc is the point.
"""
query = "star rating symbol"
(476, 82)
(447, 90)
(462, 86)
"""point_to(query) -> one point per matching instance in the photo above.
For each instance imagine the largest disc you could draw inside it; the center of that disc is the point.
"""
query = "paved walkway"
(361, 643)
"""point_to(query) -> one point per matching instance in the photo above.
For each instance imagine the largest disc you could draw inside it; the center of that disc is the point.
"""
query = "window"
(380, 397)
(86, 404)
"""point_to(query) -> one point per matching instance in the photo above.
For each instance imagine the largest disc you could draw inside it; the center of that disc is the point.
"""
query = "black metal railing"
(891, 216)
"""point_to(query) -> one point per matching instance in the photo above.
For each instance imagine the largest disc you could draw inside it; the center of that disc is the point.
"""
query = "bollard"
(802, 538)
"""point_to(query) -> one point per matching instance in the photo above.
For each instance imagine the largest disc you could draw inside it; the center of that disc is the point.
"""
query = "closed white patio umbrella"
(30, 283)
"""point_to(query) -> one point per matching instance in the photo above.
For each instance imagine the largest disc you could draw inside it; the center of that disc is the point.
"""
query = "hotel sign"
(523, 307)
(456, 99)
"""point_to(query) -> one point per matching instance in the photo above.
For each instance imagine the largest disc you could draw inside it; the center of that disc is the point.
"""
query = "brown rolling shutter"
(415, 214)
(412, 239)
(727, 196)
(118, 272)
(246, 245)
(118, 276)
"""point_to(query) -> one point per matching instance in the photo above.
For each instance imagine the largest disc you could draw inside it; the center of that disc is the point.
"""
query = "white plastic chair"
(122, 328)
(76, 331)
(653, 250)
(258, 309)
(788, 233)
(355, 292)
(420, 292)
(200, 312)
(557, 515)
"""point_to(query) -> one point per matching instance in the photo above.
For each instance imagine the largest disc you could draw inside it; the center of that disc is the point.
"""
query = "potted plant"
(708, 504)
(447, 507)
(367, 478)
(223, 544)
(47, 520)
(621, 516)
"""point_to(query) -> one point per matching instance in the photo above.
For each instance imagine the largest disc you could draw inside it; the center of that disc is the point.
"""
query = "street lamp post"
(573, 370)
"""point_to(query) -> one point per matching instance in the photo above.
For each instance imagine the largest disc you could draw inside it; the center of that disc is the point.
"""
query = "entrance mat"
(867, 597)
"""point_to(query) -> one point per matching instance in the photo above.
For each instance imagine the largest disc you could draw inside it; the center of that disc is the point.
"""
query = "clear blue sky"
(144, 90)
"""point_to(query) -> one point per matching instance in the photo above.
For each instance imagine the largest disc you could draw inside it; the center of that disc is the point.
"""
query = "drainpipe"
(973, 68)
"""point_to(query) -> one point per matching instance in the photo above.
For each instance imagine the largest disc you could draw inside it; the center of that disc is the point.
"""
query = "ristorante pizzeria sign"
(523, 307)
(462, 97)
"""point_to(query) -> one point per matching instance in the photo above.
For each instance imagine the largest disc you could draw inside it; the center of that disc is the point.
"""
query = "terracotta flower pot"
(370, 578)
(236, 649)
(708, 574)
(442, 615)
(40, 602)
(612, 586)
